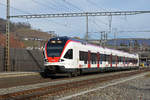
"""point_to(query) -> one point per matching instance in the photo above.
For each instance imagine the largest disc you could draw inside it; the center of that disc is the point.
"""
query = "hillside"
(23, 30)
(30, 33)
(13, 26)
(23, 33)
(14, 43)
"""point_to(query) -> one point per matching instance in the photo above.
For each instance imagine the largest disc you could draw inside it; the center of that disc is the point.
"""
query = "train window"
(83, 56)
(54, 48)
(85, 61)
(122, 59)
(135, 61)
(119, 59)
(100, 61)
(108, 58)
(130, 60)
(103, 57)
(113, 59)
(69, 54)
(126, 60)
(93, 58)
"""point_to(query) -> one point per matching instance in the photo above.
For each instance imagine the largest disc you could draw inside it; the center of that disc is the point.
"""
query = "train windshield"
(55, 47)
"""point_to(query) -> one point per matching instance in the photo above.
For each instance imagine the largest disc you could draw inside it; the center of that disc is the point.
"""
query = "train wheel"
(44, 75)
(79, 72)
(75, 74)
(69, 75)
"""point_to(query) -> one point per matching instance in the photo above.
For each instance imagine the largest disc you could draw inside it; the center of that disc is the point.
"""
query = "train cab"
(59, 55)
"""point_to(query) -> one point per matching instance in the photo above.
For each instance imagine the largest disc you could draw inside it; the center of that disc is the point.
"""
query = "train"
(66, 55)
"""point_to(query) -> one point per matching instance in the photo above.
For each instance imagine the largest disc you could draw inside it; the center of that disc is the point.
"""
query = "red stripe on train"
(111, 60)
(65, 47)
(46, 50)
(89, 59)
(98, 59)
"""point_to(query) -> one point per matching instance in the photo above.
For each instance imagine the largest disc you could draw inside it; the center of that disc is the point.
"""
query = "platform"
(17, 74)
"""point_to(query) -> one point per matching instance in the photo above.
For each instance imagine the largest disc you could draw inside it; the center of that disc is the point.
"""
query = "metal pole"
(106, 38)
(115, 40)
(87, 28)
(101, 38)
(110, 22)
(7, 52)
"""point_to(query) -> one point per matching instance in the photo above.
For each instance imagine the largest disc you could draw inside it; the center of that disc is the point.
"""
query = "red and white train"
(64, 55)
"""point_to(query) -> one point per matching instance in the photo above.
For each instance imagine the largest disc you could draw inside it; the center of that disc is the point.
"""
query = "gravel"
(136, 89)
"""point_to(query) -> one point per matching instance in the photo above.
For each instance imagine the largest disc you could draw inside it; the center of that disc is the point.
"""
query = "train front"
(53, 52)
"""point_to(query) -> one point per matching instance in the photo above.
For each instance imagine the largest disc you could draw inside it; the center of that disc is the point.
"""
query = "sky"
(76, 26)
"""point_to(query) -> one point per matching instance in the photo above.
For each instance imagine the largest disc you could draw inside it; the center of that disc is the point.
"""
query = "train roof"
(65, 38)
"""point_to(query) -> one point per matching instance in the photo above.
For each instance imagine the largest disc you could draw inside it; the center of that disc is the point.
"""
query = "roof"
(65, 38)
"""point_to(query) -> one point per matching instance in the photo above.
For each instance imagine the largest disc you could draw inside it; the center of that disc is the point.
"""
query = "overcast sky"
(77, 26)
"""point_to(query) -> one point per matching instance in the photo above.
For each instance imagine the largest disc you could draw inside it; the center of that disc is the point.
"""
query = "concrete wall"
(23, 59)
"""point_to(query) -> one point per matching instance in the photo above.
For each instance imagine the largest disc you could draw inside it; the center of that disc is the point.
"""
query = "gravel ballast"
(136, 89)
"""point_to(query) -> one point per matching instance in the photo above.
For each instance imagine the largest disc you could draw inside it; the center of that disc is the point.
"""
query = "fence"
(23, 60)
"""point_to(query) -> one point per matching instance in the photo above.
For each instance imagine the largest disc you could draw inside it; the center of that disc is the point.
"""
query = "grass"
(32, 43)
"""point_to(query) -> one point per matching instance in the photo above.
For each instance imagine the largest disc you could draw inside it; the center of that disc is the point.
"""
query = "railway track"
(55, 90)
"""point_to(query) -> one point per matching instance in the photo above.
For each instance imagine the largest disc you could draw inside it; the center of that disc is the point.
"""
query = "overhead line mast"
(84, 14)
(7, 51)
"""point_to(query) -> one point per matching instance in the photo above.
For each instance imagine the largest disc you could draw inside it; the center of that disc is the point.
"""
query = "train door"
(111, 60)
(69, 58)
(127, 62)
(98, 60)
(124, 61)
(76, 57)
(116, 60)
